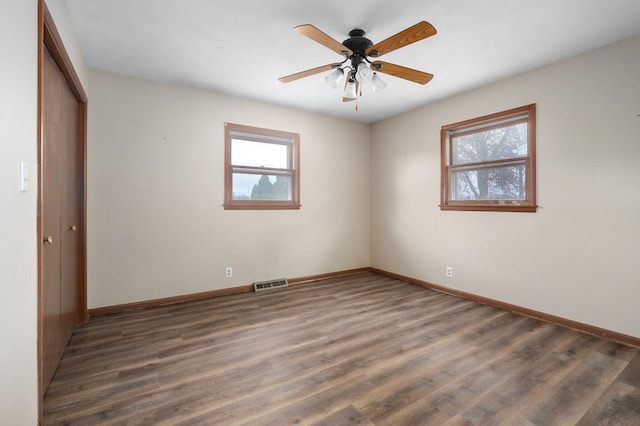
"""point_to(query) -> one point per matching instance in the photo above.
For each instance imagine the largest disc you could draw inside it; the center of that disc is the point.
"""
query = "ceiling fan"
(356, 66)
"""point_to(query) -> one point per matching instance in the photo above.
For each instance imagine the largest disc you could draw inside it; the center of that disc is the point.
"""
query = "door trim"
(49, 36)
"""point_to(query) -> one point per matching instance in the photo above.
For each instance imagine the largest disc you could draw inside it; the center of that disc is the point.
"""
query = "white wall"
(157, 227)
(577, 257)
(18, 256)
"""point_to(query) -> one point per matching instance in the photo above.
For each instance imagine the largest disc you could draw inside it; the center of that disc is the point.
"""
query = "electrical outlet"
(228, 272)
(449, 272)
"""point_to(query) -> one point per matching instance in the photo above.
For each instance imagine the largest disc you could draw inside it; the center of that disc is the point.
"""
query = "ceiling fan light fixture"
(334, 78)
(350, 92)
(376, 83)
(364, 73)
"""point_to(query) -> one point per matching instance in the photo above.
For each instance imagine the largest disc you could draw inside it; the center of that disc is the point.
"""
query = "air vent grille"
(270, 285)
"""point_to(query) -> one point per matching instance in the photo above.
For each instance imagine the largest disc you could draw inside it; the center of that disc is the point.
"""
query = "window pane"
(496, 183)
(261, 187)
(495, 144)
(259, 154)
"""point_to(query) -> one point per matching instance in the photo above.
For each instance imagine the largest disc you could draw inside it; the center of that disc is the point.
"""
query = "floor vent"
(269, 285)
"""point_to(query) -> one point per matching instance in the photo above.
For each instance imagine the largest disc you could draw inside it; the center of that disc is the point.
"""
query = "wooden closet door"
(52, 137)
(70, 214)
(61, 210)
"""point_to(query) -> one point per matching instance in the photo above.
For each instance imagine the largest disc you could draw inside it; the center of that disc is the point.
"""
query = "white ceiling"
(241, 47)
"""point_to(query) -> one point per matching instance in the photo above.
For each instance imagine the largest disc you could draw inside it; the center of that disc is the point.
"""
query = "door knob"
(73, 228)
(48, 240)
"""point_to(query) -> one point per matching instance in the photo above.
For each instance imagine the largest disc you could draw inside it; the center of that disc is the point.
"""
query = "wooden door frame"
(48, 36)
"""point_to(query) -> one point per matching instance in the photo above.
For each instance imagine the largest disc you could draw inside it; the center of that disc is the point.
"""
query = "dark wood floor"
(363, 350)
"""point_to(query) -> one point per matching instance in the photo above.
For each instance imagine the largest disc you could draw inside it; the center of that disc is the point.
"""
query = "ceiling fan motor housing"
(358, 44)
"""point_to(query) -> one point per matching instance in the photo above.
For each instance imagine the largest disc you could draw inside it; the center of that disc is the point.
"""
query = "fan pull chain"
(357, 98)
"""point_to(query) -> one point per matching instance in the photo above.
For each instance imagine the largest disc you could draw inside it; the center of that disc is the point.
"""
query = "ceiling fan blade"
(402, 72)
(419, 31)
(318, 36)
(307, 73)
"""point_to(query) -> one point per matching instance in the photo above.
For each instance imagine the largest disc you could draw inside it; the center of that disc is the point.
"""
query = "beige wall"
(18, 273)
(156, 223)
(577, 257)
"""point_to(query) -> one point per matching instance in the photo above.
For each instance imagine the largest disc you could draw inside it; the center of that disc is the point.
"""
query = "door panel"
(52, 137)
(62, 186)
(69, 217)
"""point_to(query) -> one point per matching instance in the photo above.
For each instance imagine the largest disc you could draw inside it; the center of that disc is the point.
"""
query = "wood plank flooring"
(360, 350)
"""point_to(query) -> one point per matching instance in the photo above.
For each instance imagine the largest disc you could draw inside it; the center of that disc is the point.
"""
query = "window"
(262, 168)
(488, 163)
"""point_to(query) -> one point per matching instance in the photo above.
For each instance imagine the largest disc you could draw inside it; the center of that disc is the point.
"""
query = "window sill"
(261, 206)
(490, 208)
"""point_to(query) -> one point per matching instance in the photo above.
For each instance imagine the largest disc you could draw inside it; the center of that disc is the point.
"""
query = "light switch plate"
(24, 176)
